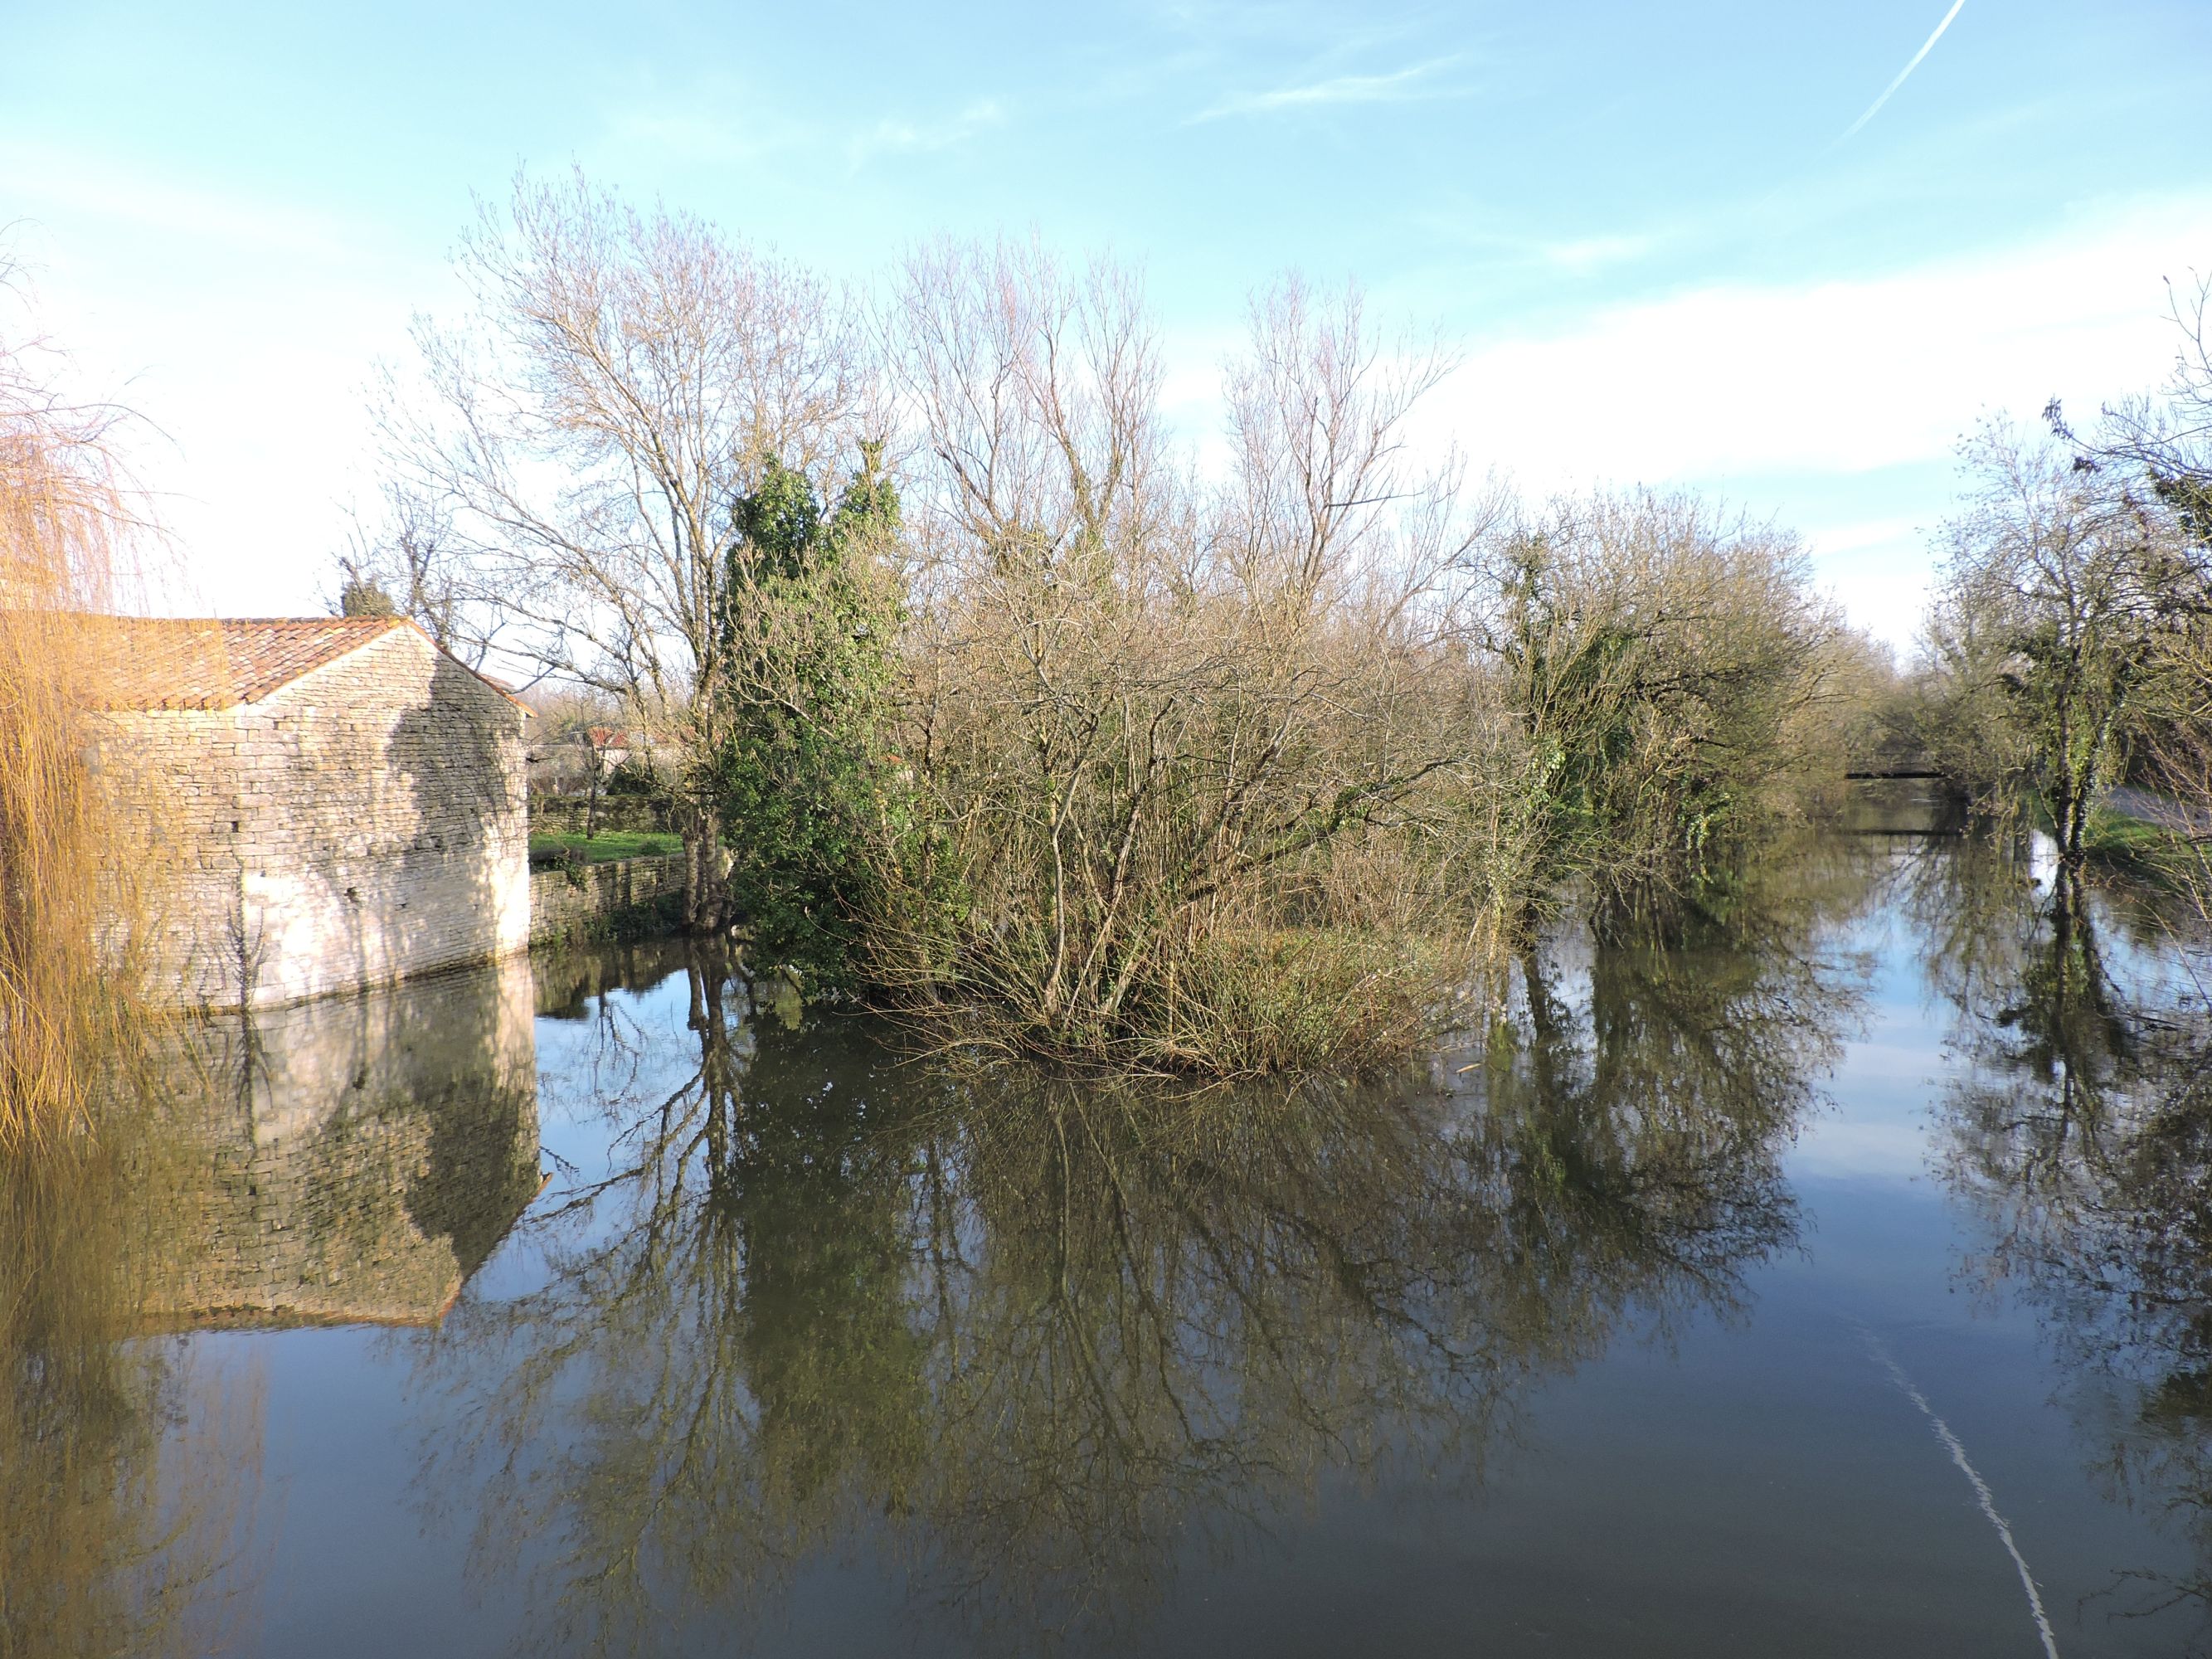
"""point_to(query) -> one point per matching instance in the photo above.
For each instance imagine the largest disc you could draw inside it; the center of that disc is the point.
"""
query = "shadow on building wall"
(446, 775)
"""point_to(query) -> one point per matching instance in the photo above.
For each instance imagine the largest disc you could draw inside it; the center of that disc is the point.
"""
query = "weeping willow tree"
(69, 893)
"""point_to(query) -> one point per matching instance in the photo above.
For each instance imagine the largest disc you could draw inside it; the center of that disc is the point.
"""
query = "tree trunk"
(2072, 826)
(705, 883)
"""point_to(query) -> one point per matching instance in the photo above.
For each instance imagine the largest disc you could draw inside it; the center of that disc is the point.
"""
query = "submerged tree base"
(1275, 1002)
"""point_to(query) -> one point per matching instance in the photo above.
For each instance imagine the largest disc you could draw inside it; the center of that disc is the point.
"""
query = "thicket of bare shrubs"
(1256, 770)
(1673, 682)
(1169, 734)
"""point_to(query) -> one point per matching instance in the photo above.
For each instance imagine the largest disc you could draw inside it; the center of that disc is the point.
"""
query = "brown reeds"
(68, 892)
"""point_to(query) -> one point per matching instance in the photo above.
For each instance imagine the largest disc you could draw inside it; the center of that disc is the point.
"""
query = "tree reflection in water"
(2079, 1131)
(1032, 1343)
(127, 1472)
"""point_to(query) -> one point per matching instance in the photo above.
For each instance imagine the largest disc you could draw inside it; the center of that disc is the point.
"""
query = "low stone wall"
(566, 905)
(614, 812)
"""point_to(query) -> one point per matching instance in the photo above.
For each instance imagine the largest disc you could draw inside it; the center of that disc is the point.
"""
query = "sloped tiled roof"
(210, 662)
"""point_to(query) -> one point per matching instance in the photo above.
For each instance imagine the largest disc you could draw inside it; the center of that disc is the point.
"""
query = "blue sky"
(1638, 222)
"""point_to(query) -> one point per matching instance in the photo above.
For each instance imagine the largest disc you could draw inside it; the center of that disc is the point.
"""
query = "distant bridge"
(1886, 762)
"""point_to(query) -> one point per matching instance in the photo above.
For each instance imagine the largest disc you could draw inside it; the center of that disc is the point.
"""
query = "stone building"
(330, 802)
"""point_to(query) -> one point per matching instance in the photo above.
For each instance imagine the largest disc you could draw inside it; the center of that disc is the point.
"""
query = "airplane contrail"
(1926, 46)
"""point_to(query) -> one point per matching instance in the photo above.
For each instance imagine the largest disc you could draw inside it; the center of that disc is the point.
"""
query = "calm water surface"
(1822, 1274)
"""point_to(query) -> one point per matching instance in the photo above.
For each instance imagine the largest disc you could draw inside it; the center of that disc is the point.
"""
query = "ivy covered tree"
(812, 612)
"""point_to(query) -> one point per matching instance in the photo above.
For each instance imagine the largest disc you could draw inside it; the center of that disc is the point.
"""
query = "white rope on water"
(1982, 1495)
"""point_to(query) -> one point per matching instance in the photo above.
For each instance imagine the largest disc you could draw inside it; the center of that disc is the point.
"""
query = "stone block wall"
(363, 824)
(564, 907)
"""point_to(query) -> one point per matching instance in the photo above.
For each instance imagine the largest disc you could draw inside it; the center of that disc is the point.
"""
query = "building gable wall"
(363, 824)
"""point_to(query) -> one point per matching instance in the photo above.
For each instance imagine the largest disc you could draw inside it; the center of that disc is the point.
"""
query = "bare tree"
(2073, 582)
(2166, 439)
(1326, 486)
(1037, 392)
(404, 561)
(623, 376)
(2157, 449)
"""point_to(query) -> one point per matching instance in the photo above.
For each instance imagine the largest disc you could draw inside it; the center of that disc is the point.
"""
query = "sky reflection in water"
(1580, 1342)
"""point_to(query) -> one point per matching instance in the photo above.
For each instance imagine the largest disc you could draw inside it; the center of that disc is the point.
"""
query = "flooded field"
(1821, 1273)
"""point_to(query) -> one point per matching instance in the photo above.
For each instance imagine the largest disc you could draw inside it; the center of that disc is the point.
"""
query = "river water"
(1820, 1272)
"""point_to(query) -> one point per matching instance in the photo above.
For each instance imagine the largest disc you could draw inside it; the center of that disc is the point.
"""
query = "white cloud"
(250, 328)
(693, 136)
(1879, 571)
(891, 137)
(259, 400)
(1588, 253)
(51, 181)
(717, 123)
(1836, 377)
(1832, 405)
(242, 330)
(1415, 82)
(712, 119)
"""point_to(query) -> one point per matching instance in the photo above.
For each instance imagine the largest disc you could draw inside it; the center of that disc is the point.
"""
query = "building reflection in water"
(348, 1160)
(355, 1158)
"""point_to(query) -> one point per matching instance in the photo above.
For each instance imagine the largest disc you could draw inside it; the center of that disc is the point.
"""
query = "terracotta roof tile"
(207, 662)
